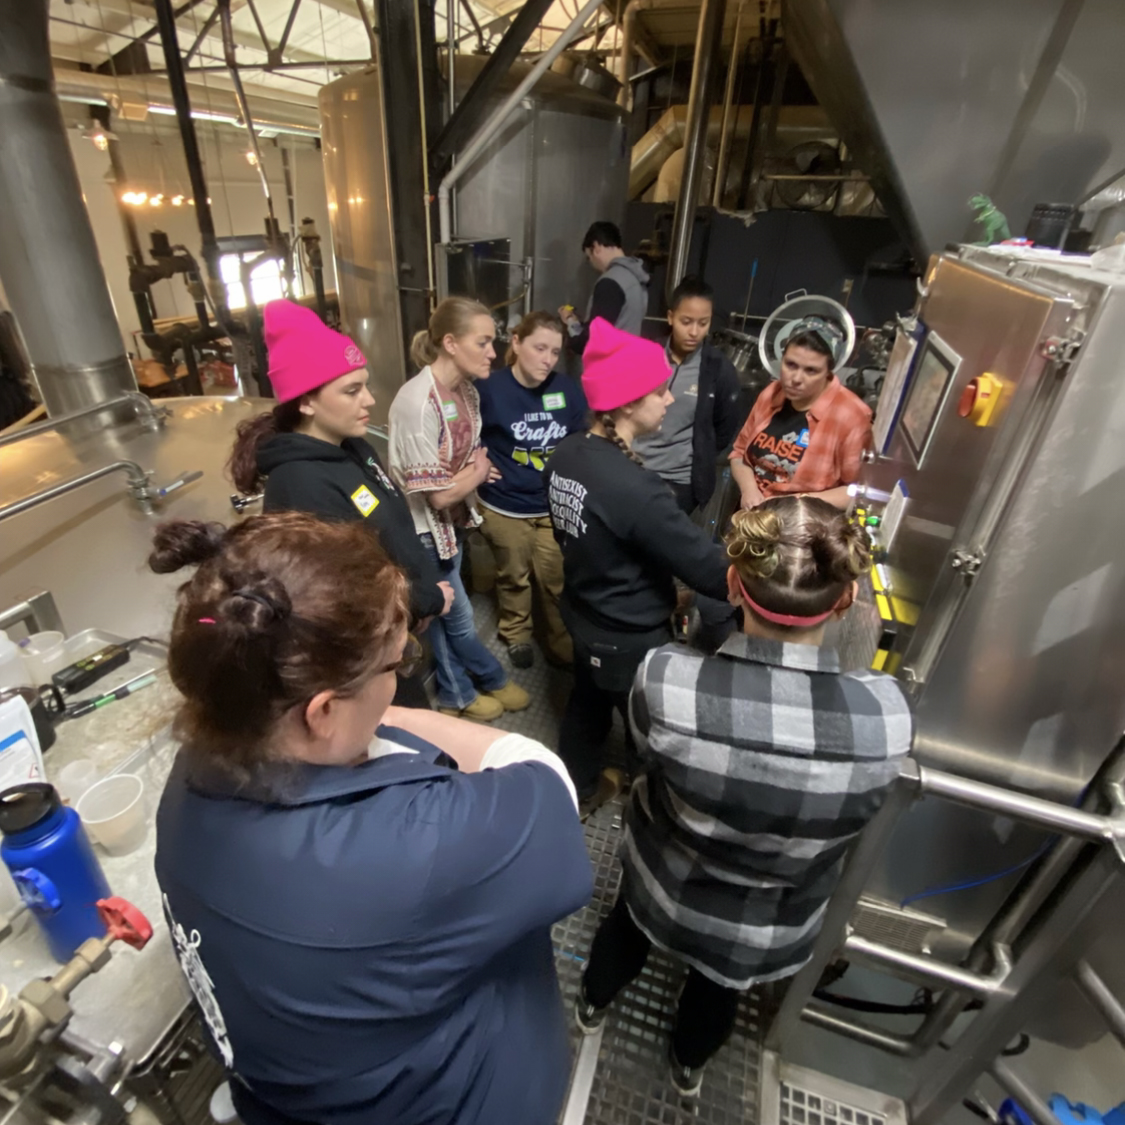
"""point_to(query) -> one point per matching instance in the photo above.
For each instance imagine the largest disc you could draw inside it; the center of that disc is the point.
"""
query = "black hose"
(875, 1007)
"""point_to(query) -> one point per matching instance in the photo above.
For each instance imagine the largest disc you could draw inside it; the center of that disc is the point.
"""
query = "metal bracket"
(1062, 349)
(967, 562)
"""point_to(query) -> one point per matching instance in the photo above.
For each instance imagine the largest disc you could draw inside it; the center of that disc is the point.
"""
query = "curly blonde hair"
(797, 555)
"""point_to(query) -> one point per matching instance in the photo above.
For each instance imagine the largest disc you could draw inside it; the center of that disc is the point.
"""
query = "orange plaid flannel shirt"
(839, 432)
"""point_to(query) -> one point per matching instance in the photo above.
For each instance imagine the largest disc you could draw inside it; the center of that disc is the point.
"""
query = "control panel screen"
(933, 376)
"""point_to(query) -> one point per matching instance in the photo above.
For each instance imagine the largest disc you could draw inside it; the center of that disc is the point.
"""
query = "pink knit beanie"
(304, 352)
(618, 367)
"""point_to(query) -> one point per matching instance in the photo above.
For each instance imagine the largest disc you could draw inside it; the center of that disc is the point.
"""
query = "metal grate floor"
(630, 1081)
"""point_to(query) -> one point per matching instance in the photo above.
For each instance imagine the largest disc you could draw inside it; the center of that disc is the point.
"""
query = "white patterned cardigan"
(421, 455)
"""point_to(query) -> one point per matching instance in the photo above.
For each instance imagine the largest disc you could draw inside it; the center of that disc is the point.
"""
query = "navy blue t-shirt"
(520, 429)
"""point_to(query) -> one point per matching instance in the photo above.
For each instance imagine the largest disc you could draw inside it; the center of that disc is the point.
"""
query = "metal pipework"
(490, 129)
(49, 264)
(927, 968)
(166, 20)
(151, 415)
(1032, 810)
(1023, 904)
(37, 611)
(243, 104)
(726, 127)
(699, 108)
(628, 40)
(1100, 995)
(139, 486)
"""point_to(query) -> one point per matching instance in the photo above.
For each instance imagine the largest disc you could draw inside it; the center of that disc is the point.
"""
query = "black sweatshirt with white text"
(624, 539)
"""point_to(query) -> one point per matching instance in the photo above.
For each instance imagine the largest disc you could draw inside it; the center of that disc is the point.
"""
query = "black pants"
(604, 667)
(706, 1013)
(410, 691)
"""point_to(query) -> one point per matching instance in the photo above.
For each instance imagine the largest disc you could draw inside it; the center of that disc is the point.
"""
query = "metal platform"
(620, 1077)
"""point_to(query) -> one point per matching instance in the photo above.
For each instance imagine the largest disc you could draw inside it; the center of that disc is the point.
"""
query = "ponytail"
(423, 351)
(453, 317)
(242, 468)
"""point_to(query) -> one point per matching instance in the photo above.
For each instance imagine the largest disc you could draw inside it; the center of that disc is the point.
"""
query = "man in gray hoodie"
(621, 293)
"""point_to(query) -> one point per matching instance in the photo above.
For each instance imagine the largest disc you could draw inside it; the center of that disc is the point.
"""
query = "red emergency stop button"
(979, 399)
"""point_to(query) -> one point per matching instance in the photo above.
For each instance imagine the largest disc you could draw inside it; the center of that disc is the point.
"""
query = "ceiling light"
(251, 158)
(177, 200)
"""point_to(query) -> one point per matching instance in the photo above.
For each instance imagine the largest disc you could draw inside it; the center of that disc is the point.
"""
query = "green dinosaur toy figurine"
(993, 222)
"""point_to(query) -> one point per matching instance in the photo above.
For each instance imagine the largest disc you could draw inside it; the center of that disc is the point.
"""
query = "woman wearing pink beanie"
(312, 456)
(624, 541)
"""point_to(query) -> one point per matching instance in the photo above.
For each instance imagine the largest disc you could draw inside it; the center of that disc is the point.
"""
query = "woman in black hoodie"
(313, 457)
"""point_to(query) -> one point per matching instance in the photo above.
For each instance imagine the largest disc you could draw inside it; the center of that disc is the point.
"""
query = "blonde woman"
(527, 409)
(438, 461)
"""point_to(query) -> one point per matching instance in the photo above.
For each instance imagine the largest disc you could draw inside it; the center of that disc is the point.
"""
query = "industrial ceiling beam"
(467, 117)
(145, 10)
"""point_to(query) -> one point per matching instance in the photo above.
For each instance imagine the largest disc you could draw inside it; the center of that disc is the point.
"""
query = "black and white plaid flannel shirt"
(762, 764)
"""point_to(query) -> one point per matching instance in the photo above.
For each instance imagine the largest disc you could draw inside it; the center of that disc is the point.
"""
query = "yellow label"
(365, 500)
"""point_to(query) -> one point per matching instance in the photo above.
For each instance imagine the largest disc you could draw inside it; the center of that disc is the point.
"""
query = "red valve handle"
(125, 922)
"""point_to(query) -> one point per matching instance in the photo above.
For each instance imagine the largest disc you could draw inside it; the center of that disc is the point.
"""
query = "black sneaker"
(589, 1019)
(687, 1080)
(521, 655)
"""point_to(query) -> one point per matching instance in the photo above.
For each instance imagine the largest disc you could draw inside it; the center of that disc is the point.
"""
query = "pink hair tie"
(790, 619)
(206, 621)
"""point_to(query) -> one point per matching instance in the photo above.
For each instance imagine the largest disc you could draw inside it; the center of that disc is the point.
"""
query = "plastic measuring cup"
(113, 811)
(75, 778)
(45, 654)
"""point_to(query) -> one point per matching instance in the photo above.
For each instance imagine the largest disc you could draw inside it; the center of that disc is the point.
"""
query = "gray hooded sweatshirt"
(630, 275)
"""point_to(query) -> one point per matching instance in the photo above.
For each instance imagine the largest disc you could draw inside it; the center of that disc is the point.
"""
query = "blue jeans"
(462, 664)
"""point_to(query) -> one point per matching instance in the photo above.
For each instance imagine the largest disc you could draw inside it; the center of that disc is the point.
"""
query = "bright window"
(266, 281)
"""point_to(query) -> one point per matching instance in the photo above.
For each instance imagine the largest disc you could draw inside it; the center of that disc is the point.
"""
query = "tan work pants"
(522, 548)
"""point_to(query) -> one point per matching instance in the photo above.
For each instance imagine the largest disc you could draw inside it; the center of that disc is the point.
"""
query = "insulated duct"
(652, 151)
(49, 263)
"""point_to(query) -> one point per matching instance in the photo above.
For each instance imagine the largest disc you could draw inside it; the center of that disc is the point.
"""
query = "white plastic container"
(13, 670)
(75, 778)
(113, 811)
(20, 757)
(44, 654)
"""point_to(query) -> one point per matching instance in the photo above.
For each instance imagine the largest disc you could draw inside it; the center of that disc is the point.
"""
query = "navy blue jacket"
(374, 945)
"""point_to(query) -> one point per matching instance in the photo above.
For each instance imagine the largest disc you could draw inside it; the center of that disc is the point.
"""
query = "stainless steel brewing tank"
(354, 144)
(560, 163)
(88, 548)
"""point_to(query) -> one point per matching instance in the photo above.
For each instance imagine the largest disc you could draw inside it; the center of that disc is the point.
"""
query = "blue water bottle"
(53, 865)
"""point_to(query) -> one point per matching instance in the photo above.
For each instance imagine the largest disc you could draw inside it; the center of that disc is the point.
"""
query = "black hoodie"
(348, 482)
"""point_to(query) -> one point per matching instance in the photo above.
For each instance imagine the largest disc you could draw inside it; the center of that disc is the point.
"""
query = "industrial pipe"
(1021, 906)
(494, 123)
(166, 21)
(296, 117)
(725, 129)
(699, 103)
(244, 108)
(629, 34)
(49, 264)
(150, 414)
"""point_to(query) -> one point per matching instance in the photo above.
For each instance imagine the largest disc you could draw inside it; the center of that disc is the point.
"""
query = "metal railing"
(153, 416)
(139, 486)
(1008, 990)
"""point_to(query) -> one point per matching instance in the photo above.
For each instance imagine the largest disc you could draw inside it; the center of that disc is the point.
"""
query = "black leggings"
(706, 1013)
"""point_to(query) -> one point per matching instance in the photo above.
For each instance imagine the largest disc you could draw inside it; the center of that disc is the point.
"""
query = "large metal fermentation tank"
(354, 142)
(560, 163)
(1006, 569)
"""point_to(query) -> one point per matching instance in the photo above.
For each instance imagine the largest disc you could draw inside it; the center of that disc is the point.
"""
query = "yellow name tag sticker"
(365, 500)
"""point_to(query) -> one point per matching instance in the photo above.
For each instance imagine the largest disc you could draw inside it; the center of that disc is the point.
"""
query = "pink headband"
(782, 618)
